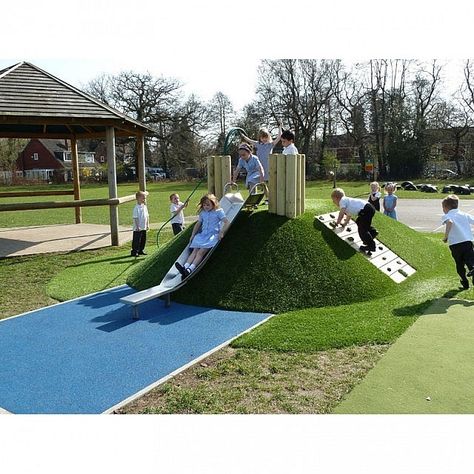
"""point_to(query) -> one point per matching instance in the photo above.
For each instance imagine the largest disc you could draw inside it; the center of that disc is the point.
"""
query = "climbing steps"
(387, 261)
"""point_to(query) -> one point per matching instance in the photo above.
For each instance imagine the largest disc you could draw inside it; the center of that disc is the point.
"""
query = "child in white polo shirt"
(364, 212)
(459, 236)
(141, 223)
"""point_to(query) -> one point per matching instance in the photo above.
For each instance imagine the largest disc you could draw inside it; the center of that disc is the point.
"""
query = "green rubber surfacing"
(429, 369)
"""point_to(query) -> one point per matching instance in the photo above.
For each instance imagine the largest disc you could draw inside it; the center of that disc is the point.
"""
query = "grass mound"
(272, 264)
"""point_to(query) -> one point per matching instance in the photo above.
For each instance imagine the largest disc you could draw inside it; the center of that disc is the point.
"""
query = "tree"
(298, 91)
(9, 151)
(221, 113)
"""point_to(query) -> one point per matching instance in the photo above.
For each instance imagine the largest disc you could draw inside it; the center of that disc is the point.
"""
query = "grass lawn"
(158, 201)
(305, 359)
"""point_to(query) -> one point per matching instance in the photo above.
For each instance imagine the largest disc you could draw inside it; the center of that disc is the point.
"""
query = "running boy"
(141, 223)
(458, 234)
(364, 212)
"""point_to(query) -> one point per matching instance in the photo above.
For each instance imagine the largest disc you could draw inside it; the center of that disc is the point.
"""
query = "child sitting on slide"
(364, 212)
(208, 230)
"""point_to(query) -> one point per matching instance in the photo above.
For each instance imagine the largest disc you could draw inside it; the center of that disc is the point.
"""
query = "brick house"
(50, 159)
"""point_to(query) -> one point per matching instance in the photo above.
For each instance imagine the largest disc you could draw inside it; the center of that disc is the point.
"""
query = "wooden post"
(141, 162)
(281, 184)
(225, 171)
(76, 179)
(112, 180)
(298, 184)
(272, 184)
(218, 176)
(291, 190)
(211, 187)
(302, 183)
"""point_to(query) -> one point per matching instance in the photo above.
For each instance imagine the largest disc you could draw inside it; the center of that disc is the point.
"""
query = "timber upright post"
(112, 179)
(218, 174)
(141, 163)
(75, 179)
(286, 185)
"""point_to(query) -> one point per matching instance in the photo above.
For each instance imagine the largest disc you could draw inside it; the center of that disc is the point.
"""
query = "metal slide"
(232, 204)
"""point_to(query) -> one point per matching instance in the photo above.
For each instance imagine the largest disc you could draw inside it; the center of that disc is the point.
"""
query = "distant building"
(50, 159)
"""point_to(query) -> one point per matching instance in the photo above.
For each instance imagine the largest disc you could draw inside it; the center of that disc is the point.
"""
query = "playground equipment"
(286, 185)
(232, 203)
(383, 258)
(218, 174)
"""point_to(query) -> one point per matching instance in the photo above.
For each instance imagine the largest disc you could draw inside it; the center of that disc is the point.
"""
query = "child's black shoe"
(470, 272)
(181, 269)
(464, 284)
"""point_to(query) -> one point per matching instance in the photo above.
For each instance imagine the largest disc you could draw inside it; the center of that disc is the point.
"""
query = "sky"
(215, 46)
(211, 49)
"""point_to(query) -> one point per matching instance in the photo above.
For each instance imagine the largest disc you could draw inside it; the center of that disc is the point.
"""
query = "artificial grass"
(96, 274)
(428, 370)
(272, 264)
(378, 321)
(328, 295)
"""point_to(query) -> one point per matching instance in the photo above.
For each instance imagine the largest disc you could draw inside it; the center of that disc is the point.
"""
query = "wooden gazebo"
(36, 104)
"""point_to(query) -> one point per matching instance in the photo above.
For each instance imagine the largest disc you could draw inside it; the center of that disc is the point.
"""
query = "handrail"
(36, 193)
(233, 131)
(28, 206)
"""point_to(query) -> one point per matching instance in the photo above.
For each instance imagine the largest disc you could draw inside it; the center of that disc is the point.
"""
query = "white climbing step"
(387, 261)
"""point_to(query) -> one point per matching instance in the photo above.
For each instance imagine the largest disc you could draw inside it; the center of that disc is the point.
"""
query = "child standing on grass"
(458, 234)
(364, 212)
(251, 164)
(141, 223)
(208, 230)
(288, 142)
(177, 214)
(374, 196)
(390, 201)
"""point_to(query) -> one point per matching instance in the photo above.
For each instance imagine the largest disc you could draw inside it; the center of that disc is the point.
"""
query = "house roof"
(34, 103)
(53, 145)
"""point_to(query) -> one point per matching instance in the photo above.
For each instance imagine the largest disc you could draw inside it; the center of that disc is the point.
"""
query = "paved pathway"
(425, 214)
(18, 241)
(57, 238)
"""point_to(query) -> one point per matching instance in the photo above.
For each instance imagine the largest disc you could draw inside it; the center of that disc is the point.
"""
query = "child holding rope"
(177, 214)
(208, 230)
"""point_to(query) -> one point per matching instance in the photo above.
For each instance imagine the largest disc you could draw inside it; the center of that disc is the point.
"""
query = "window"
(67, 156)
(35, 156)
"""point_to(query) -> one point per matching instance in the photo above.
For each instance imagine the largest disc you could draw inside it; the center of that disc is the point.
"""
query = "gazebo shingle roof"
(36, 103)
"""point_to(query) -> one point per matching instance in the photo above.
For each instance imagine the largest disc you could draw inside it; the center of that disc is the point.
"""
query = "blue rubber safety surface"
(87, 355)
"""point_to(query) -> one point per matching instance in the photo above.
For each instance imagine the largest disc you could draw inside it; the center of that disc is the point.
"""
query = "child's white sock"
(186, 265)
(192, 267)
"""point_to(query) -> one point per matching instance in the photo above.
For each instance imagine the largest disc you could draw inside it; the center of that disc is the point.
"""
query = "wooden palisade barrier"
(218, 174)
(286, 185)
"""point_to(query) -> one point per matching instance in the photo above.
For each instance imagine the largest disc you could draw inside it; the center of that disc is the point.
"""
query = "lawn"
(158, 200)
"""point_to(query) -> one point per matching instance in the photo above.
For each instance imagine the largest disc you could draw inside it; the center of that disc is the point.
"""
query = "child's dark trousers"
(364, 226)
